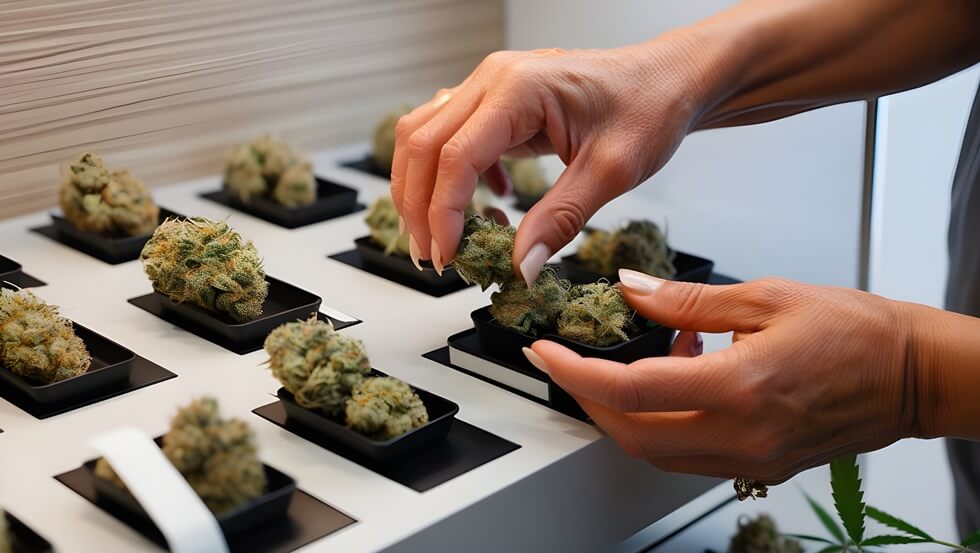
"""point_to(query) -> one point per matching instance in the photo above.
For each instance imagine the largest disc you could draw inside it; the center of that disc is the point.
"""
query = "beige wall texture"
(164, 87)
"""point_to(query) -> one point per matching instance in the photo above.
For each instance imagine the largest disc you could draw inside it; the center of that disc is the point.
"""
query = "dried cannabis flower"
(217, 457)
(484, 253)
(596, 314)
(527, 176)
(6, 540)
(761, 535)
(382, 219)
(36, 342)
(530, 310)
(640, 246)
(315, 364)
(112, 205)
(383, 142)
(385, 407)
(270, 167)
(208, 264)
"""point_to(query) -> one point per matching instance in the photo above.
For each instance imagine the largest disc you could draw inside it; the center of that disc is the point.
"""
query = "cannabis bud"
(383, 142)
(746, 488)
(36, 342)
(316, 364)
(217, 457)
(270, 167)
(484, 253)
(760, 535)
(596, 314)
(382, 219)
(110, 204)
(530, 310)
(640, 246)
(208, 264)
(527, 176)
(6, 540)
(385, 407)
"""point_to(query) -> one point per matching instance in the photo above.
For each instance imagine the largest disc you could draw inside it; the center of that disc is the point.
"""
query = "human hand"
(812, 373)
(613, 116)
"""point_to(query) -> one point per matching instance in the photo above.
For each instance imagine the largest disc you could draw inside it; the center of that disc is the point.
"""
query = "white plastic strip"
(333, 313)
(172, 504)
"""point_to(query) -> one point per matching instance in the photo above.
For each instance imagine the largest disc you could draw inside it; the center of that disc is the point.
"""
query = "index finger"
(654, 384)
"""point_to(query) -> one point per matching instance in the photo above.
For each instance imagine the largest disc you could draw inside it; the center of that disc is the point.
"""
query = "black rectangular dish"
(111, 366)
(8, 267)
(333, 200)
(442, 413)
(25, 540)
(374, 257)
(690, 268)
(524, 202)
(367, 165)
(110, 250)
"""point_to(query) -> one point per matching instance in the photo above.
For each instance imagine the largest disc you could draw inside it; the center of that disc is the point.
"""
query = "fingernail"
(436, 255)
(697, 345)
(535, 259)
(638, 282)
(414, 251)
(401, 225)
(536, 360)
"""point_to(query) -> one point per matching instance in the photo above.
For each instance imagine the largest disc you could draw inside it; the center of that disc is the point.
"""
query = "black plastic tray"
(285, 303)
(373, 256)
(690, 268)
(366, 165)
(26, 540)
(652, 340)
(8, 267)
(110, 250)
(442, 413)
(332, 200)
(111, 365)
(525, 202)
(273, 504)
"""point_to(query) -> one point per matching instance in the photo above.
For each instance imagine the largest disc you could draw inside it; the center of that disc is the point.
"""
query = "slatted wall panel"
(164, 87)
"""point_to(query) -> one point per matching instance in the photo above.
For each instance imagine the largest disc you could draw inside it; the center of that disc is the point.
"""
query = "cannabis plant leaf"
(808, 537)
(972, 539)
(825, 518)
(895, 522)
(845, 482)
(889, 539)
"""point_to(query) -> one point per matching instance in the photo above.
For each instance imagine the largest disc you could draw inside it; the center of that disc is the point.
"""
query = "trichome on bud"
(640, 246)
(270, 167)
(36, 342)
(384, 407)
(112, 204)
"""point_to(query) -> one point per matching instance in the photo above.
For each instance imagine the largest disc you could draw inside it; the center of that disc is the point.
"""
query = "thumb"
(589, 182)
(704, 307)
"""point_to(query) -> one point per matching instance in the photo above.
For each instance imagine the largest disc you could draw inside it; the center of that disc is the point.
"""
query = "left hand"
(813, 373)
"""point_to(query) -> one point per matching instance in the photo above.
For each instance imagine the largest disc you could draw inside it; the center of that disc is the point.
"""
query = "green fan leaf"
(889, 539)
(807, 537)
(845, 482)
(826, 519)
(972, 539)
(895, 522)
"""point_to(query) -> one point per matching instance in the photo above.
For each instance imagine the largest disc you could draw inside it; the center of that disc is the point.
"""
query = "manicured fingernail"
(638, 282)
(436, 257)
(536, 360)
(401, 225)
(535, 259)
(414, 251)
(697, 345)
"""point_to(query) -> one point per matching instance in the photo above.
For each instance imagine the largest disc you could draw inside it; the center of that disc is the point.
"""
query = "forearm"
(766, 59)
(944, 360)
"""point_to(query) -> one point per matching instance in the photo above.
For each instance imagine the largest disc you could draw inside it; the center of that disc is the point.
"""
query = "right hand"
(613, 116)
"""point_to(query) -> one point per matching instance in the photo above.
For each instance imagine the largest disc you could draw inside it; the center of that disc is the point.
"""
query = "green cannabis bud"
(382, 219)
(110, 204)
(208, 264)
(218, 457)
(270, 167)
(530, 310)
(596, 314)
(484, 253)
(6, 540)
(760, 535)
(385, 407)
(527, 176)
(640, 246)
(36, 342)
(316, 364)
(383, 141)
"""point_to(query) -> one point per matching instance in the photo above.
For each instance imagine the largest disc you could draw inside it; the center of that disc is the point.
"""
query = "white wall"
(776, 199)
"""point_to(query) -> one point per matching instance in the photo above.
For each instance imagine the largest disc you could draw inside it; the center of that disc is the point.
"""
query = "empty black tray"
(367, 165)
(8, 267)
(111, 365)
(652, 340)
(284, 304)
(690, 268)
(332, 200)
(110, 250)
(25, 540)
(442, 413)
(374, 256)
(273, 504)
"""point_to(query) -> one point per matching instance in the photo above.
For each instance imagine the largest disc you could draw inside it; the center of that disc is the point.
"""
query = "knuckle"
(688, 297)
(624, 392)
(569, 217)
(452, 157)
(420, 145)
(404, 127)
(768, 292)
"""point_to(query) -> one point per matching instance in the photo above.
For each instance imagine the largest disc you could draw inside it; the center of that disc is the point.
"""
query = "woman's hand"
(613, 116)
(813, 373)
